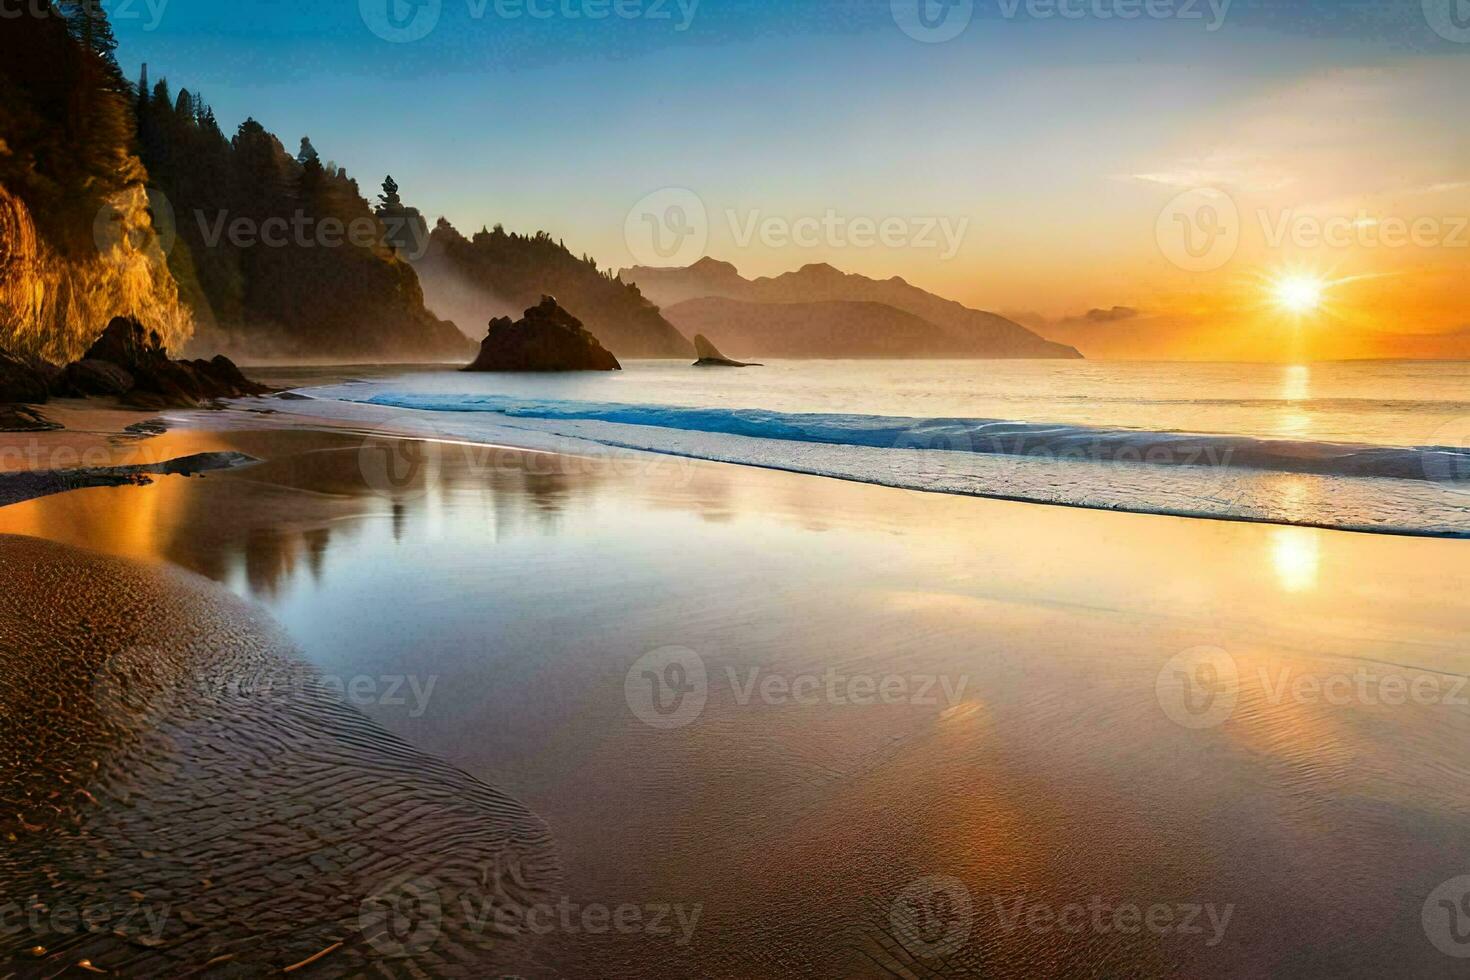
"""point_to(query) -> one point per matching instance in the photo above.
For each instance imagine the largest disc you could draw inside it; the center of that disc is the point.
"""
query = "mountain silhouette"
(835, 328)
(962, 331)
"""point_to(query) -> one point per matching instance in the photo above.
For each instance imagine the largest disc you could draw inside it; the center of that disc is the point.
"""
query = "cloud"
(1443, 186)
(1098, 314)
(1217, 172)
(1328, 134)
(1112, 315)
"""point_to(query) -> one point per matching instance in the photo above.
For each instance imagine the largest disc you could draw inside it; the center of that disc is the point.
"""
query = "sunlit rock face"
(55, 306)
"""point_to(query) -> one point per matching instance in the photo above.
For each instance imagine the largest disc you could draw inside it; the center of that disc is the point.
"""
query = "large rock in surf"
(130, 361)
(710, 356)
(548, 338)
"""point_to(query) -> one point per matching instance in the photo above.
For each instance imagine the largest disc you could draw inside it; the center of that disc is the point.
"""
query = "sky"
(1257, 179)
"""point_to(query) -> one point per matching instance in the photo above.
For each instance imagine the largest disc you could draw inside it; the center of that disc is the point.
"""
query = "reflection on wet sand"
(1027, 749)
(182, 797)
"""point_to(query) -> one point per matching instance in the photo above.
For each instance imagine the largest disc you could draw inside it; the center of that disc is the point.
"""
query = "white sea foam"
(1421, 490)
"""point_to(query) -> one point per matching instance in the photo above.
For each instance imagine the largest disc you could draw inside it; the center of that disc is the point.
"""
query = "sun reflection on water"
(1296, 386)
(1296, 557)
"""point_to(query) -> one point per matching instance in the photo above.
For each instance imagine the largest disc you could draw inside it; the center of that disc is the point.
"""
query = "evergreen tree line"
(66, 125)
(279, 251)
(74, 132)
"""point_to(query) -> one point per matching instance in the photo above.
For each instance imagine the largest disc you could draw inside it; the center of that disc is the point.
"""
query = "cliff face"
(52, 306)
(115, 200)
(77, 245)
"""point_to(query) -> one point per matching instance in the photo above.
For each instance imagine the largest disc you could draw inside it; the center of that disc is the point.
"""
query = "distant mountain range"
(826, 329)
(820, 311)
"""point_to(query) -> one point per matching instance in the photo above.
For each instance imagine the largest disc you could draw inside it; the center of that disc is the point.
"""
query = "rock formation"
(710, 356)
(132, 363)
(24, 418)
(548, 338)
(24, 379)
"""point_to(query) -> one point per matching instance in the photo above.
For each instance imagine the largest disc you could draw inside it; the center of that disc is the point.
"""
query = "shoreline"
(108, 432)
(387, 421)
(304, 858)
(509, 595)
(1214, 493)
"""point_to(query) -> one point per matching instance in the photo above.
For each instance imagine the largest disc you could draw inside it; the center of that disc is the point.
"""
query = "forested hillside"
(511, 272)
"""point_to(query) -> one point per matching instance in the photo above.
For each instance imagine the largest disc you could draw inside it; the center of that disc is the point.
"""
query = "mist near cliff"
(451, 295)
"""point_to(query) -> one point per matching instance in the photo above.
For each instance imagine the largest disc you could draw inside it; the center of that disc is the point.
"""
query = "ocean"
(1368, 446)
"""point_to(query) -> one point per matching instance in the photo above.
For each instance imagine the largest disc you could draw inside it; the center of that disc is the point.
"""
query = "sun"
(1299, 294)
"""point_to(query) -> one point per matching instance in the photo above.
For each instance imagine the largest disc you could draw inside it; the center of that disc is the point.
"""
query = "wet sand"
(816, 728)
(95, 432)
(182, 796)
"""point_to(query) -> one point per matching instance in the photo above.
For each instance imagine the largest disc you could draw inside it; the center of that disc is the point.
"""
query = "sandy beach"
(661, 489)
(772, 724)
(186, 797)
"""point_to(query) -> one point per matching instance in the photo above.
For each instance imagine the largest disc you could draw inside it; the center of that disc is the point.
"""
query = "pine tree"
(389, 198)
(210, 126)
(87, 22)
(311, 185)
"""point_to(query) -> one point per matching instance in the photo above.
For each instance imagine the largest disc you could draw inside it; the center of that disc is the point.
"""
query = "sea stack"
(547, 338)
(710, 356)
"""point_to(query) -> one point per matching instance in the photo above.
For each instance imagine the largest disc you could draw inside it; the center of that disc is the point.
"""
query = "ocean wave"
(993, 437)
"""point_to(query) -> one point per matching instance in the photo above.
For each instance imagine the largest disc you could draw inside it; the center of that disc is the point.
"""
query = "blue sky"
(1031, 127)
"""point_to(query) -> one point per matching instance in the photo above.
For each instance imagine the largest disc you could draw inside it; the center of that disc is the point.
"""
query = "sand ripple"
(179, 796)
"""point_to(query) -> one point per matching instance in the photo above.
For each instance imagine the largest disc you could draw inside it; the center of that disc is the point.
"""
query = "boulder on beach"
(91, 376)
(23, 418)
(710, 356)
(548, 338)
(131, 362)
(24, 379)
